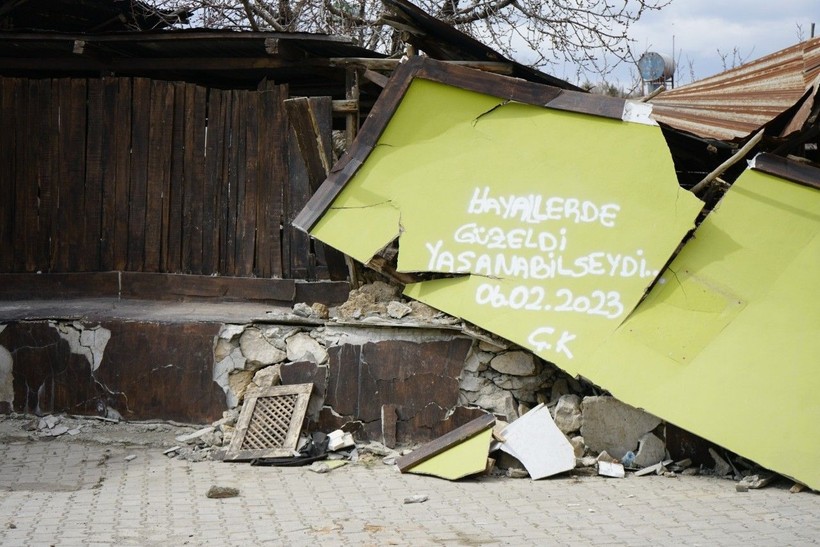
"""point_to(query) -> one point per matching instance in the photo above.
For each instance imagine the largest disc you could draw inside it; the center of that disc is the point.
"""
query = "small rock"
(389, 460)
(722, 467)
(397, 310)
(740, 487)
(301, 347)
(514, 473)
(171, 452)
(130, 457)
(611, 469)
(578, 446)
(195, 435)
(75, 431)
(320, 310)
(568, 416)
(58, 430)
(651, 450)
(51, 421)
(418, 498)
(690, 471)
(514, 363)
(326, 466)
(219, 492)
(302, 310)
(586, 461)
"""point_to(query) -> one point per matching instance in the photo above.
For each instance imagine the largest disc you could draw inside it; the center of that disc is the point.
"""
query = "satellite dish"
(656, 66)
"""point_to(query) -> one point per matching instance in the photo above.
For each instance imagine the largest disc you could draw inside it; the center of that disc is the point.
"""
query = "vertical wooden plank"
(123, 129)
(7, 153)
(246, 220)
(195, 107)
(92, 216)
(225, 177)
(273, 178)
(158, 168)
(213, 182)
(71, 183)
(51, 206)
(108, 175)
(174, 256)
(31, 179)
(265, 177)
(232, 162)
(21, 175)
(20, 193)
(297, 256)
(311, 119)
(140, 129)
(239, 147)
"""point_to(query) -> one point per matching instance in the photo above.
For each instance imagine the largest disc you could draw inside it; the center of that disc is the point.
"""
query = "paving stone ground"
(85, 493)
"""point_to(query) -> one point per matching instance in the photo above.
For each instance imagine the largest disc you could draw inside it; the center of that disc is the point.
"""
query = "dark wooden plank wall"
(144, 175)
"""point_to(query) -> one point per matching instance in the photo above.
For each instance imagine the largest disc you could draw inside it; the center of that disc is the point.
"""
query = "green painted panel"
(559, 221)
(726, 345)
(466, 458)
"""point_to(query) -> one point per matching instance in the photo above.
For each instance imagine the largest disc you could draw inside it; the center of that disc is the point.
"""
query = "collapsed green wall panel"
(558, 221)
(726, 345)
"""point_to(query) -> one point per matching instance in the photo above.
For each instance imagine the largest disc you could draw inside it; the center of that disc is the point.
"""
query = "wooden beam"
(82, 62)
(346, 106)
(392, 64)
(733, 159)
(378, 79)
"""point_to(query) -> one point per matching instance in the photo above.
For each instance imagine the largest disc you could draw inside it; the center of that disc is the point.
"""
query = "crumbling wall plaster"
(89, 342)
(6, 377)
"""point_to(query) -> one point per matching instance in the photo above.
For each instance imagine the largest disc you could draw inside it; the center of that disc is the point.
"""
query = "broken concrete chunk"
(58, 430)
(301, 347)
(397, 310)
(267, 377)
(130, 457)
(536, 441)
(568, 415)
(652, 469)
(611, 469)
(258, 348)
(302, 309)
(578, 446)
(759, 480)
(651, 450)
(722, 467)
(515, 363)
(338, 440)
(195, 435)
(609, 424)
(418, 498)
(326, 466)
(238, 382)
(51, 421)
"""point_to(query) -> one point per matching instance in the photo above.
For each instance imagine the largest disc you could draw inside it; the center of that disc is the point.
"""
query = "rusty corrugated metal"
(733, 104)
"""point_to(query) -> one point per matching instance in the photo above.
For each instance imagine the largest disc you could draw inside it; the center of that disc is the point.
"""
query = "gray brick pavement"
(68, 493)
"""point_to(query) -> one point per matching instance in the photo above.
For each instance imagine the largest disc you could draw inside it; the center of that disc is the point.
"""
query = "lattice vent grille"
(270, 422)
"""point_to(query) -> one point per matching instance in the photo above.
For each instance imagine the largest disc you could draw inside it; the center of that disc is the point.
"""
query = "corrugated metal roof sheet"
(737, 102)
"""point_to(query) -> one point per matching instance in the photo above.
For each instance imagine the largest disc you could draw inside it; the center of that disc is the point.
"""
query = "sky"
(754, 28)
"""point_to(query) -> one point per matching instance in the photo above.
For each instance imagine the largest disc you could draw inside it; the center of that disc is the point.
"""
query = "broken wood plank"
(446, 441)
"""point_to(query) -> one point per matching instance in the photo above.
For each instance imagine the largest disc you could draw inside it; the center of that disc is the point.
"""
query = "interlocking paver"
(56, 493)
